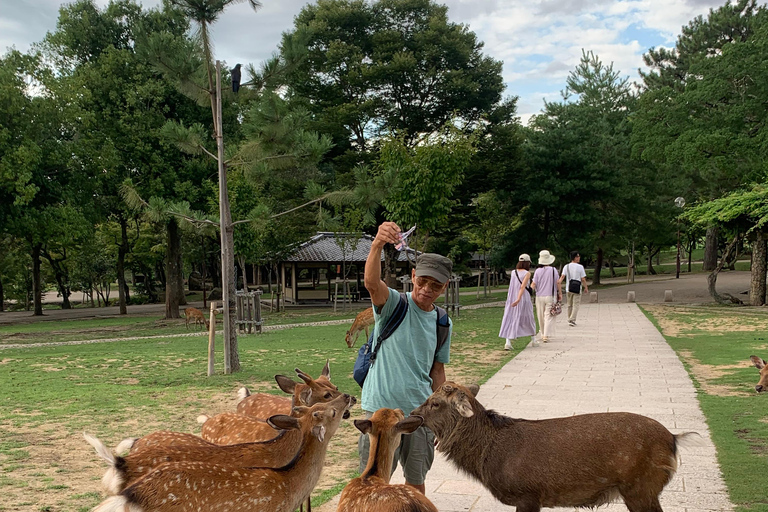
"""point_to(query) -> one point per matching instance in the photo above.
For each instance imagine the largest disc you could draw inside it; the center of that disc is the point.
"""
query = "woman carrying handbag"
(548, 295)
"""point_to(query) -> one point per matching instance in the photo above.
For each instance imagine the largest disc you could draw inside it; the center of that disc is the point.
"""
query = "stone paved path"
(614, 360)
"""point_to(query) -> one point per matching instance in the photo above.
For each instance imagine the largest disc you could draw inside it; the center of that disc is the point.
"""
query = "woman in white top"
(547, 291)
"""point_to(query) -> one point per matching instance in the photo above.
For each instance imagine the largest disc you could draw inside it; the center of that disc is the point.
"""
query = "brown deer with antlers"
(371, 491)
(193, 486)
(363, 321)
(312, 391)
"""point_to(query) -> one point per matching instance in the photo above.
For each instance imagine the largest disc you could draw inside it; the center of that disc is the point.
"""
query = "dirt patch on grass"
(50, 467)
(706, 375)
(675, 321)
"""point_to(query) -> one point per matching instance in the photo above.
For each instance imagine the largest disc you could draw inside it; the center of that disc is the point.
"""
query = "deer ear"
(285, 383)
(319, 432)
(327, 369)
(283, 422)
(305, 395)
(463, 405)
(299, 410)
(363, 426)
(409, 424)
(474, 389)
(758, 362)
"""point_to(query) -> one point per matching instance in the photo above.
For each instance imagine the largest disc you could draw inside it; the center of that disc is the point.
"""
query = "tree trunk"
(122, 250)
(37, 291)
(611, 267)
(2, 297)
(390, 265)
(712, 278)
(651, 254)
(691, 247)
(710, 249)
(598, 267)
(61, 276)
(757, 287)
(172, 270)
(180, 280)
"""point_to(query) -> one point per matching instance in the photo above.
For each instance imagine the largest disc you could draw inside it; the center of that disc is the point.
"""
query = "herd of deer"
(268, 455)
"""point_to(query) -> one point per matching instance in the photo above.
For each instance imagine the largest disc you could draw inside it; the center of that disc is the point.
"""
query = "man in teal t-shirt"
(406, 370)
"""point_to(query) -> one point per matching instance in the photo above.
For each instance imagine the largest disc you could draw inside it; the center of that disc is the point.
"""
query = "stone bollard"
(667, 295)
(593, 297)
(630, 296)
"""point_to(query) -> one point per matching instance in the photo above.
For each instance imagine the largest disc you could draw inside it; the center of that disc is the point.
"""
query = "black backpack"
(366, 357)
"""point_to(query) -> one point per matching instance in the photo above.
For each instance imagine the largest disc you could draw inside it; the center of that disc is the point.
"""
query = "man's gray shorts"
(416, 453)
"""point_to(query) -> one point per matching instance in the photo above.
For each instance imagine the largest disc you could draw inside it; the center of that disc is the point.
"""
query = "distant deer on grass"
(312, 391)
(371, 491)
(193, 486)
(579, 461)
(761, 365)
(363, 321)
(275, 453)
(197, 316)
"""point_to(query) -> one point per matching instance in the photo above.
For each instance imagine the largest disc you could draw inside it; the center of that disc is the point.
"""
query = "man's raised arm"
(389, 232)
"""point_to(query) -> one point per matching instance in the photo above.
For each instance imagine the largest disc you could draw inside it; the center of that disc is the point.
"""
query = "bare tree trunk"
(122, 250)
(712, 278)
(598, 267)
(691, 247)
(2, 297)
(610, 266)
(37, 291)
(757, 286)
(171, 270)
(61, 275)
(710, 249)
(651, 254)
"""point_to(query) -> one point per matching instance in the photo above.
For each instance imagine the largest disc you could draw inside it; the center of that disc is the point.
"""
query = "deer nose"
(759, 388)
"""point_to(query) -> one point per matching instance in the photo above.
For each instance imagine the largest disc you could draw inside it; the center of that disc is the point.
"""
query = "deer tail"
(117, 504)
(243, 392)
(100, 448)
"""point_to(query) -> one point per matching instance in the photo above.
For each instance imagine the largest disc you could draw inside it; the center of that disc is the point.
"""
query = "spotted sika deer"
(371, 491)
(274, 453)
(761, 365)
(197, 316)
(363, 321)
(312, 391)
(579, 461)
(194, 486)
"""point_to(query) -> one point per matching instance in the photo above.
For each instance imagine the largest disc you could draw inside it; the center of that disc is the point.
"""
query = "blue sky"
(539, 41)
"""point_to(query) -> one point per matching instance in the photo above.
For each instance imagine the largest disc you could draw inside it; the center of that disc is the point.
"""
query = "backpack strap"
(393, 322)
(443, 328)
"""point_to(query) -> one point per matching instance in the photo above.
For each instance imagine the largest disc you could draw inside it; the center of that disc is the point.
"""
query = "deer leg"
(528, 505)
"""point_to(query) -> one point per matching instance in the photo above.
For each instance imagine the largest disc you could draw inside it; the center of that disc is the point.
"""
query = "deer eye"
(334, 413)
(328, 396)
(434, 405)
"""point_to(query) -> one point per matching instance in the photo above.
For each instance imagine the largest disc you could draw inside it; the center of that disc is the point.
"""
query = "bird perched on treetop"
(236, 78)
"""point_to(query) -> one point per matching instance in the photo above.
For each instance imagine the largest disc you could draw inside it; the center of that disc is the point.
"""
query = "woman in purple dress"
(518, 312)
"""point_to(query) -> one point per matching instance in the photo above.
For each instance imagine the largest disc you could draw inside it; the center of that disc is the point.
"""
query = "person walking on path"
(575, 281)
(545, 284)
(518, 312)
(408, 367)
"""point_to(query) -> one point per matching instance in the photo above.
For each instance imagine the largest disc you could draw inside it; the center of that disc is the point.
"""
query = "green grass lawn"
(715, 345)
(134, 387)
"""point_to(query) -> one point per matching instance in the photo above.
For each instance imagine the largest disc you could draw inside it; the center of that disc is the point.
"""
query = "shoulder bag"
(574, 285)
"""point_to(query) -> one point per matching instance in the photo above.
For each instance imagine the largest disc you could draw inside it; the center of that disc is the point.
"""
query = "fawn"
(193, 486)
(274, 453)
(371, 491)
(363, 321)
(197, 316)
(761, 365)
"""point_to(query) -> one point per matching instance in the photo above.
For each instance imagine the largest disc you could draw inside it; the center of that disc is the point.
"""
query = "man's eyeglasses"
(433, 286)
